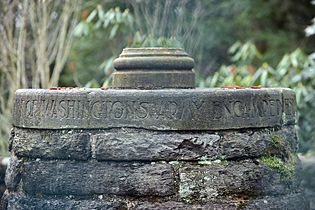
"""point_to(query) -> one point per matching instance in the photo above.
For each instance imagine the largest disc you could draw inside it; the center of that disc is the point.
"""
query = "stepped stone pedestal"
(154, 142)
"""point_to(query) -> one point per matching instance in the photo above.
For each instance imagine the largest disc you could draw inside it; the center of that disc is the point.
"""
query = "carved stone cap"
(153, 68)
(167, 109)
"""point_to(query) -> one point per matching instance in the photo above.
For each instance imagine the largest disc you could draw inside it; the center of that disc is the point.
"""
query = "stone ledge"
(128, 144)
(190, 182)
(201, 183)
(153, 79)
(289, 202)
(20, 202)
(172, 109)
(139, 144)
(51, 144)
(90, 178)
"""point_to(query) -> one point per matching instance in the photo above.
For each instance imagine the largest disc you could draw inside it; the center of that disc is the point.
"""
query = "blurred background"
(48, 43)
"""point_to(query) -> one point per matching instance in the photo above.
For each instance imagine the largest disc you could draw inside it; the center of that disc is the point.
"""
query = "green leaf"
(108, 81)
(263, 78)
(82, 29)
(91, 16)
(113, 31)
(234, 47)
(111, 16)
(106, 23)
(296, 78)
(92, 84)
(118, 15)
(247, 81)
(100, 13)
(107, 65)
(256, 76)
(214, 80)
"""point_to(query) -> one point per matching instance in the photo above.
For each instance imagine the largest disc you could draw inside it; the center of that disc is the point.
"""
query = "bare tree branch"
(36, 37)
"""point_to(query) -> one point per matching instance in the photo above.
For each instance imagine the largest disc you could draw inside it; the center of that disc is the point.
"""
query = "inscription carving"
(246, 109)
(166, 109)
(160, 109)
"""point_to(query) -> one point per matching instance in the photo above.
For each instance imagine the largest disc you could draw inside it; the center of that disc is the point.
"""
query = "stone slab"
(144, 145)
(198, 182)
(308, 183)
(13, 173)
(153, 79)
(288, 202)
(153, 59)
(171, 109)
(129, 144)
(49, 144)
(20, 202)
(201, 183)
(88, 178)
(292, 201)
(151, 63)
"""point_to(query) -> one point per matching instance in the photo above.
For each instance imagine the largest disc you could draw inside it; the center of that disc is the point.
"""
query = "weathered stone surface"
(289, 107)
(250, 143)
(308, 176)
(13, 173)
(200, 109)
(88, 178)
(173, 205)
(288, 202)
(216, 179)
(3, 167)
(20, 202)
(58, 144)
(139, 144)
(153, 68)
(153, 59)
(153, 79)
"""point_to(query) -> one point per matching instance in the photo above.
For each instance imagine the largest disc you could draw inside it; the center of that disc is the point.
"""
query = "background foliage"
(295, 70)
(233, 42)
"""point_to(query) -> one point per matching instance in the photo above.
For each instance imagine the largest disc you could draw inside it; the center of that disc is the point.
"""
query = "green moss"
(277, 141)
(281, 148)
(286, 169)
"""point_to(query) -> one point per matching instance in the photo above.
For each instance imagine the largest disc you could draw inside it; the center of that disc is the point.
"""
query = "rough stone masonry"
(154, 142)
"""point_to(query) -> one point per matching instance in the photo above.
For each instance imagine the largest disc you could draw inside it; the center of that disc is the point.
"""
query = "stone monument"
(153, 141)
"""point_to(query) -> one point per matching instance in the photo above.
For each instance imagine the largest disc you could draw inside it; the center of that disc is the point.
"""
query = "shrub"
(295, 70)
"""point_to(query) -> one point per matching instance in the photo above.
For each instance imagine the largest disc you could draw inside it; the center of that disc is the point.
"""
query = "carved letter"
(117, 109)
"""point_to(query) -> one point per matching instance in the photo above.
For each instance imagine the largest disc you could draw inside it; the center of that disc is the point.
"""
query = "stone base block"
(20, 202)
(201, 183)
(92, 178)
(190, 182)
(128, 144)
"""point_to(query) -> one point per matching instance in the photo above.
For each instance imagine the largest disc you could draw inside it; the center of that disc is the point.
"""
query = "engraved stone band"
(171, 109)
